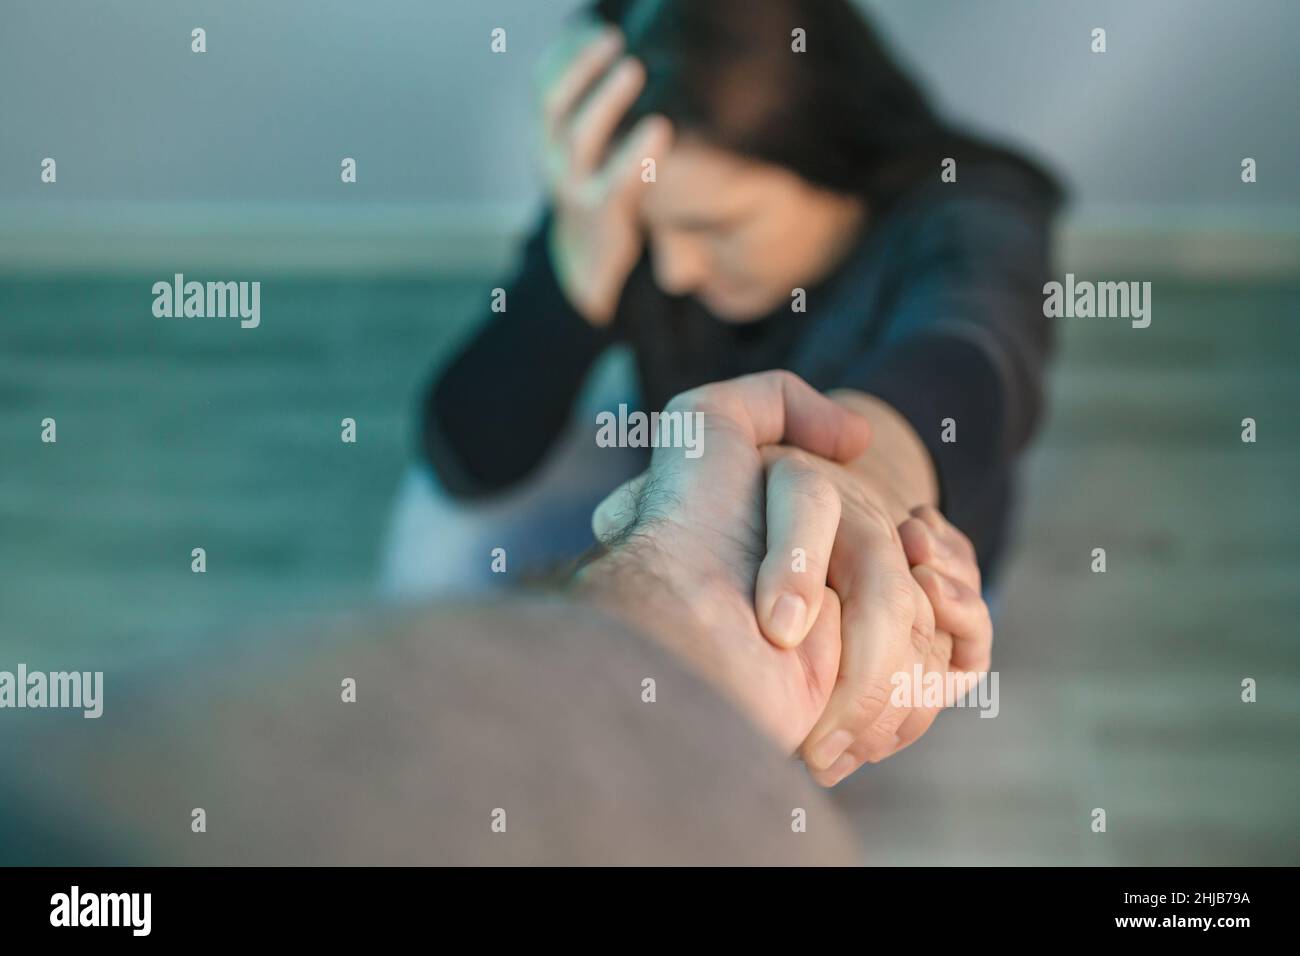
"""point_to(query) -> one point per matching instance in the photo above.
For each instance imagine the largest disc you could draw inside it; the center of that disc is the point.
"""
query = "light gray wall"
(1185, 90)
(410, 88)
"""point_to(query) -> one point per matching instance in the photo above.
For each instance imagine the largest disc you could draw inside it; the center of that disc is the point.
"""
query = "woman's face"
(741, 235)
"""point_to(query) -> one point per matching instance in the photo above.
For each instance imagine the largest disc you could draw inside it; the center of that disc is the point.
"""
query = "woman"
(721, 203)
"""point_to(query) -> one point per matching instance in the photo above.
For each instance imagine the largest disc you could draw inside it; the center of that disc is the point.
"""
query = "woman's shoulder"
(990, 208)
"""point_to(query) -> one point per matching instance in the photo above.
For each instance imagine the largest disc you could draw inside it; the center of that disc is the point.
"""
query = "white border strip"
(434, 239)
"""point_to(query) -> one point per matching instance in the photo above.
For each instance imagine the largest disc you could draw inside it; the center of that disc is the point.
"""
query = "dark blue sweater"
(937, 310)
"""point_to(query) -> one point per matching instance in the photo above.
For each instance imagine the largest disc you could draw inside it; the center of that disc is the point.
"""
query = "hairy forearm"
(660, 595)
(896, 467)
(700, 614)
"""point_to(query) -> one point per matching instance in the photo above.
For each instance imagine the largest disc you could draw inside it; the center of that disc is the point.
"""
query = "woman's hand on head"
(595, 238)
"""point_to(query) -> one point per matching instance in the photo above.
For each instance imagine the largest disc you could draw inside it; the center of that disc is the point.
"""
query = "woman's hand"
(943, 563)
(595, 238)
(910, 594)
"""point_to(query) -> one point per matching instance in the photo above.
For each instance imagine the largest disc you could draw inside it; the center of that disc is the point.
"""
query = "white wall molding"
(1191, 242)
(414, 240)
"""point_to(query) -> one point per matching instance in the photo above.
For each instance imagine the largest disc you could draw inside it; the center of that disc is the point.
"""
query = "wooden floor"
(1118, 690)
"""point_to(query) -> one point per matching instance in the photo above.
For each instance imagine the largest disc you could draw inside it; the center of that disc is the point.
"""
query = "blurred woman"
(736, 186)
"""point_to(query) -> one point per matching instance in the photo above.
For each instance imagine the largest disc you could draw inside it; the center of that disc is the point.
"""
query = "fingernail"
(947, 586)
(789, 615)
(830, 749)
(841, 768)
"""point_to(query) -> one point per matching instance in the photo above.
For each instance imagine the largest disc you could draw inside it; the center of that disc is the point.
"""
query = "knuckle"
(789, 380)
(959, 536)
(963, 546)
(912, 535)
(914, 527)
(790, 459)
(897, 596)
(781, 377)
(867, 699)
(876, 746)
(807, 482)
(922, 638)
(941, 650)
(691, 400)
(932, 516)
(877, 520)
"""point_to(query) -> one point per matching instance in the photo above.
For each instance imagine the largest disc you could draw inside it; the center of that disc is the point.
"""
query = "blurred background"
(1119, 690)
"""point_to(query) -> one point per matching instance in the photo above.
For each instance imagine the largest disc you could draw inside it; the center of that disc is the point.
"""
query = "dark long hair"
(843, 115)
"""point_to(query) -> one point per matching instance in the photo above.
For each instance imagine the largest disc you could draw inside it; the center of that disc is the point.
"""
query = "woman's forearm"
(896, 466)
(498, 406)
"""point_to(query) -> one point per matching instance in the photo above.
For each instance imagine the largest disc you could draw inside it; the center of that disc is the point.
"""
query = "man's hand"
(686, 541)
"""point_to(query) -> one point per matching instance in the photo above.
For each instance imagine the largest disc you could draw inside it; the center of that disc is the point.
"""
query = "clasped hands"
(792, 565)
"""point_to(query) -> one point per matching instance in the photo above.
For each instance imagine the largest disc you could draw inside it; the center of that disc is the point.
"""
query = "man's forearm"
(663, 597)
(897, 466)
